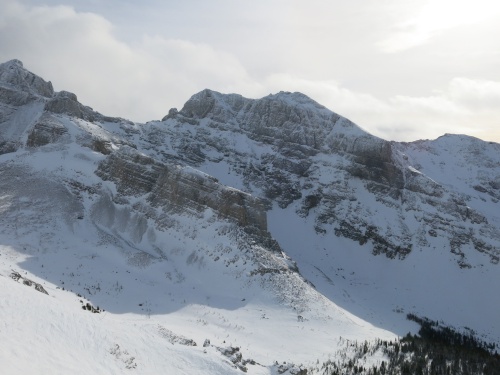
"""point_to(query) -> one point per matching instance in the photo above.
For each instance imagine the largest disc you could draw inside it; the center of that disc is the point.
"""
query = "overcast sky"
(402, 70)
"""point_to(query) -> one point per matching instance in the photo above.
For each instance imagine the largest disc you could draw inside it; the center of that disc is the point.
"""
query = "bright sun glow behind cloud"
(437, 16)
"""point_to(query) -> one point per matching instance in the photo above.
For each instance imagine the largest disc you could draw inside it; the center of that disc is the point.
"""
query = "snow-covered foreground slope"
(262, 231)
(51, 334)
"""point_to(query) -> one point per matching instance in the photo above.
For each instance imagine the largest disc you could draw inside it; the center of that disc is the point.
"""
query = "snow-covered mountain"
(233, 235)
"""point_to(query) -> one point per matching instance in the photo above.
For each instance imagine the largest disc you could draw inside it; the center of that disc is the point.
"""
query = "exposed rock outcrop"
(46, 130)
(16, 276)
(174, 187)
(297, 128)
(67, 103)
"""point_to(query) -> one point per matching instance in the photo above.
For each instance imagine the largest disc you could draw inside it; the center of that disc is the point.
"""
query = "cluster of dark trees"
(436, 350)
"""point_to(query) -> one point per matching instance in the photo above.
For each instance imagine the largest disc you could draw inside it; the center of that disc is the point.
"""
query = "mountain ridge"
(275, 215)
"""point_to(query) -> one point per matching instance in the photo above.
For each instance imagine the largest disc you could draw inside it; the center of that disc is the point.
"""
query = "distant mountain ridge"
(247, 210)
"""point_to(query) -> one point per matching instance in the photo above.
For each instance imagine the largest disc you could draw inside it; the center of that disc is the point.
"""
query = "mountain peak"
(14, 63)
(213, 104)
(15, 77)
(209, 103)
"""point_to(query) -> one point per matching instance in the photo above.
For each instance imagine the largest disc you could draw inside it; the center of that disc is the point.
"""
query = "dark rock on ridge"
(67, 103)
(46, 130)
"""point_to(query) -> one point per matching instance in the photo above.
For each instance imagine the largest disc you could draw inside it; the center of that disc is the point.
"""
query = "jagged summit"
(14, 76)
(293, 118)
(236, 100)
(212, 102)
(15, 63)
(208, 101)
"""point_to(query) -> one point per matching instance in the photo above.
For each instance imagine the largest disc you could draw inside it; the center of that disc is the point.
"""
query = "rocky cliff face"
(177, 188)
(67, 103)
(291, 150)
(296, 128)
